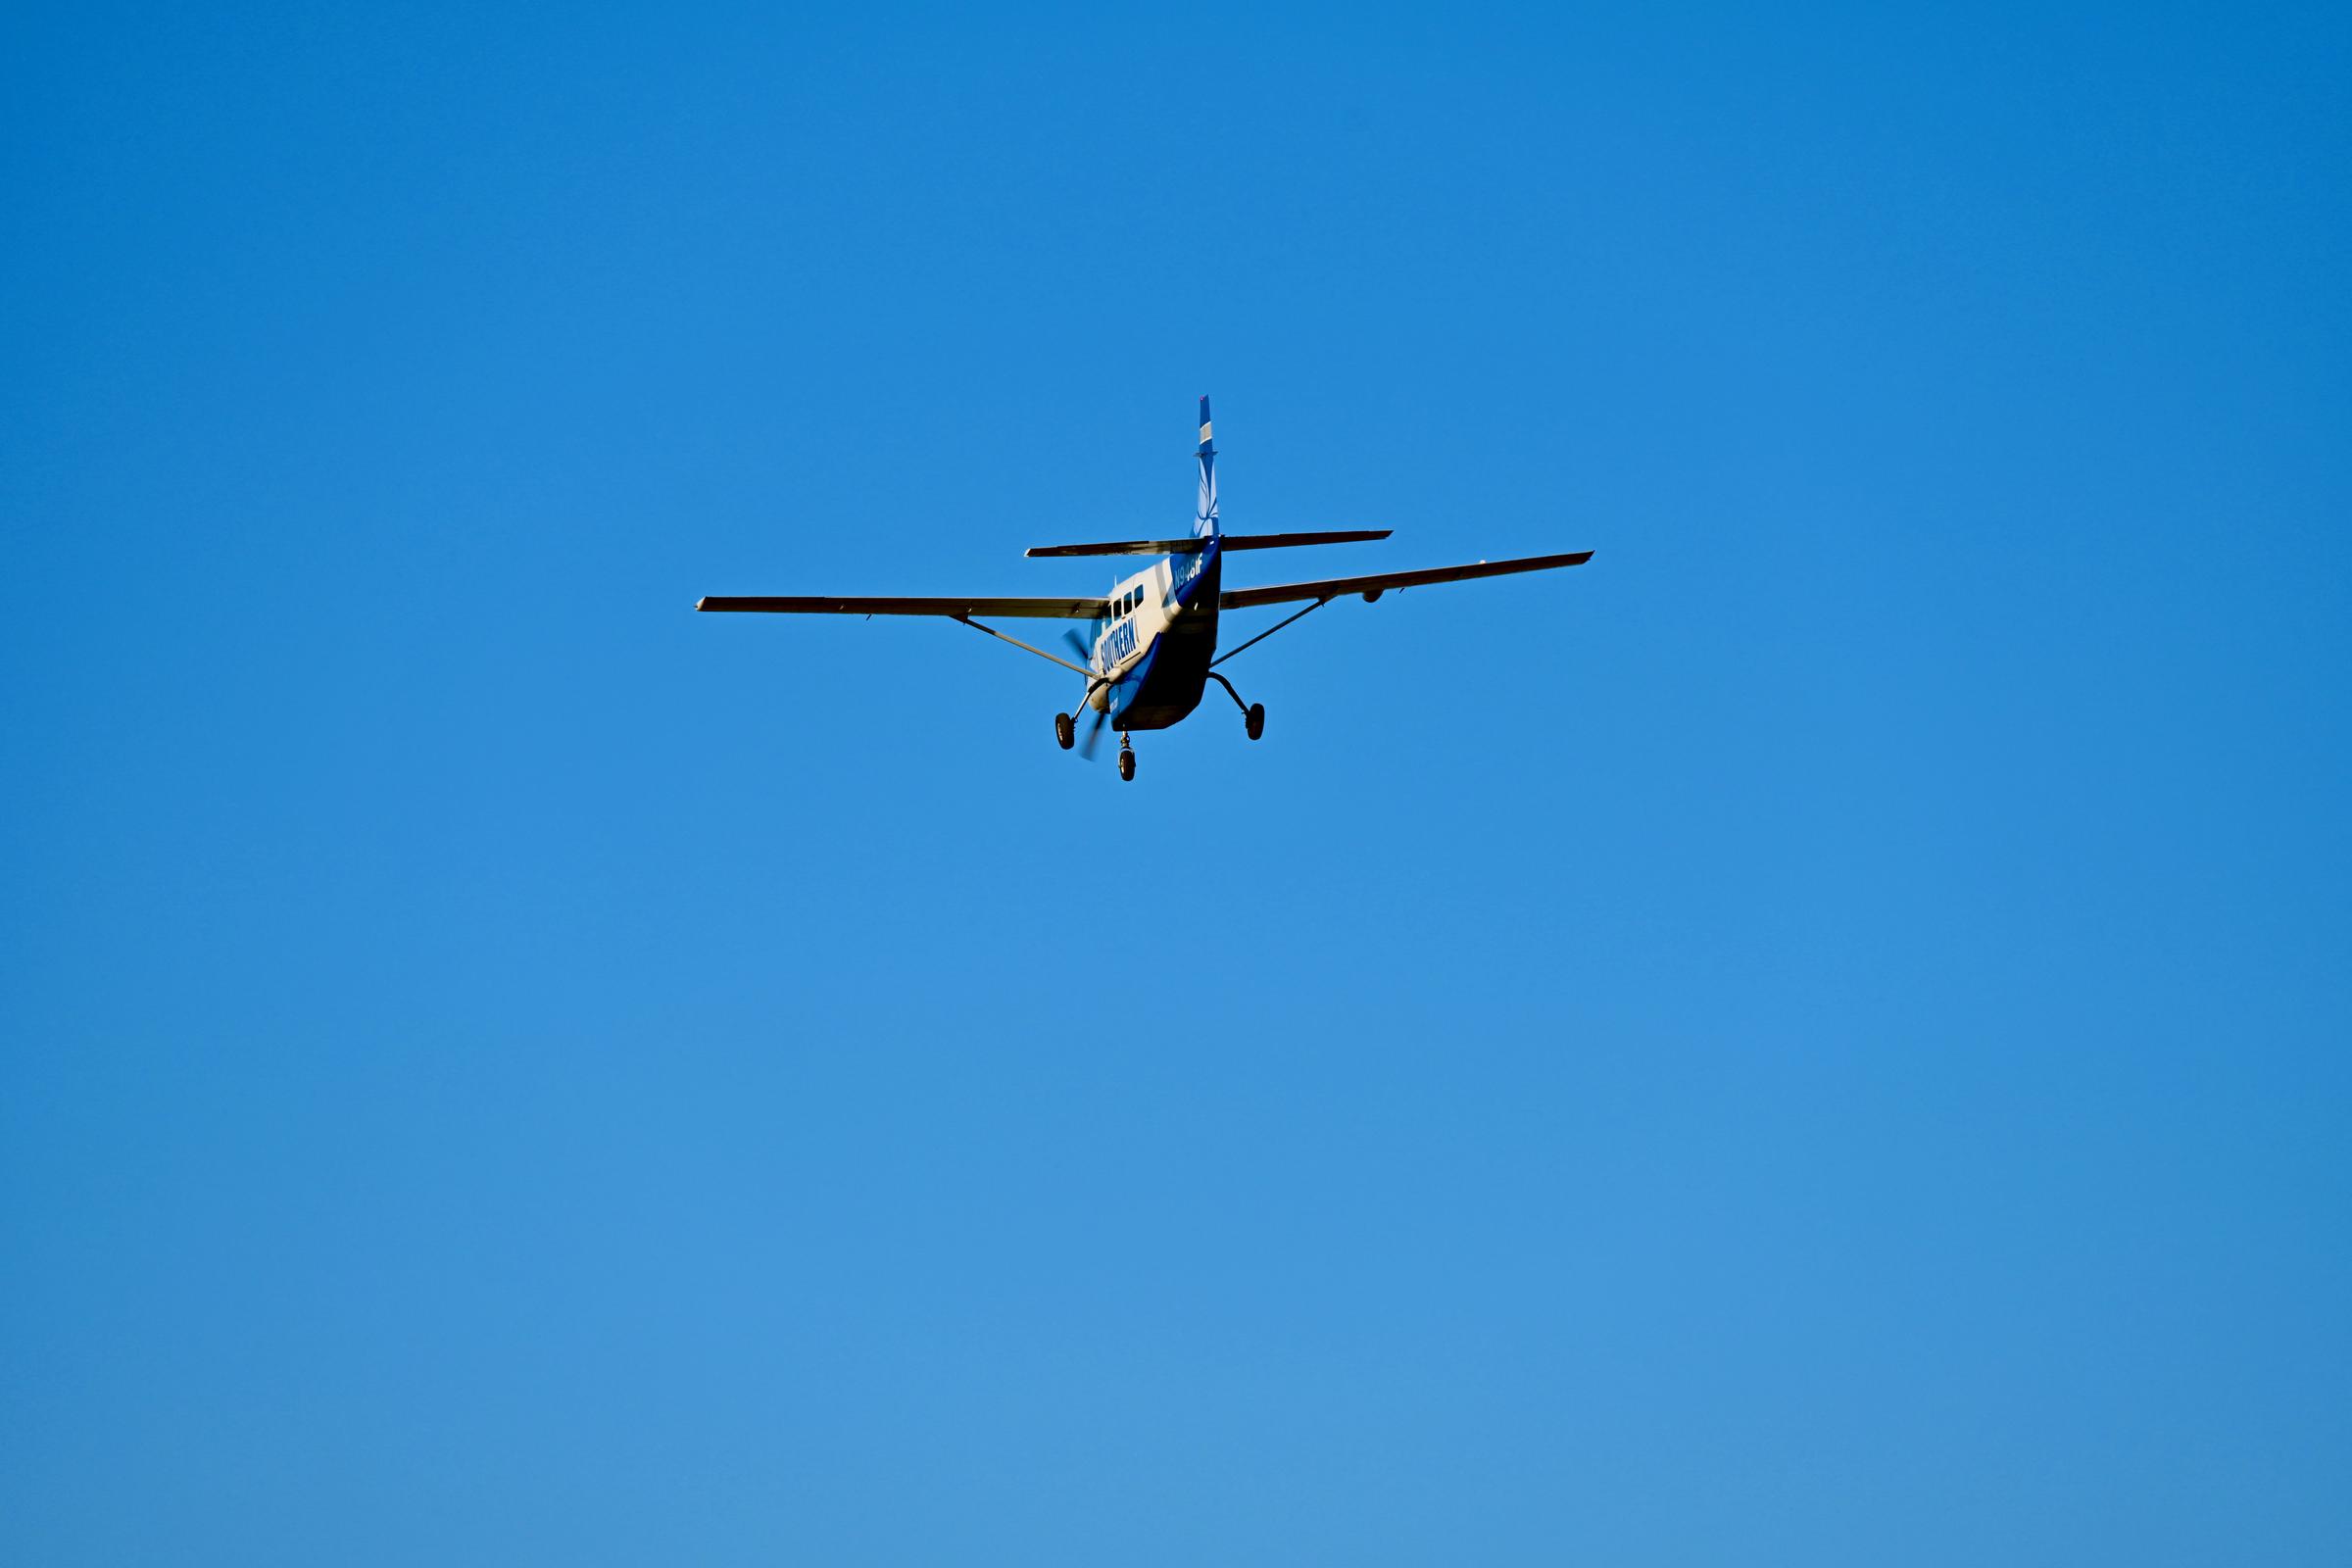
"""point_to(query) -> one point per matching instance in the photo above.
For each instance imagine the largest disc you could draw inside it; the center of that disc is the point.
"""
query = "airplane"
(1153, 648)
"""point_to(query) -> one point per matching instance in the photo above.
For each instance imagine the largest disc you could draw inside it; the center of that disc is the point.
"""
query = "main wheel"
(1126, 765)
(1255, 720)
(1065, 730)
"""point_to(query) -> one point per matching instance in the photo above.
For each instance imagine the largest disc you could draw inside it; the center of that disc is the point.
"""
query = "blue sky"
(1818, 1037)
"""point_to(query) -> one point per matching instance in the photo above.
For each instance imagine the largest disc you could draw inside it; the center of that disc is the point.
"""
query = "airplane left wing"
(1381, 582)
(952, 608)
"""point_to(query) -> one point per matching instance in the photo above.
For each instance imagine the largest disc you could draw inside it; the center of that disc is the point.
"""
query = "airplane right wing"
(1382, 582)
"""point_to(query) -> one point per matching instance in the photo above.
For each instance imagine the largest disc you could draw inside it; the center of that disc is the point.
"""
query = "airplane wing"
(1381, 582)
(952, 608)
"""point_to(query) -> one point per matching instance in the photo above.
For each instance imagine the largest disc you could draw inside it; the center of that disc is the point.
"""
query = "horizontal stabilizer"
(1283, 541)
(1122, 547)
(1334, 587)
(1231, 541)
(952, 608)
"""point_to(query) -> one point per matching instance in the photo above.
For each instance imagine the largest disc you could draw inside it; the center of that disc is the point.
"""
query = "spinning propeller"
(1094, 733)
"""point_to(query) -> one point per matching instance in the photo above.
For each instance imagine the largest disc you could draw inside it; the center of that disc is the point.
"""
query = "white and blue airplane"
(1154, 645)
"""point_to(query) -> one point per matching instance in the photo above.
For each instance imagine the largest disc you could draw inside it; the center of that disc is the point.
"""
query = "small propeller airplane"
(1154, 645)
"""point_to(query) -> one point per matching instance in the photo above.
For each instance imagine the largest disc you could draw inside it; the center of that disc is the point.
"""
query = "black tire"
(1065, 730)
(1255, 720)
(1126, 765)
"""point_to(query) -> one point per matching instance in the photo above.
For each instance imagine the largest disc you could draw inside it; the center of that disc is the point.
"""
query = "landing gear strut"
(1126, 758)
(1254, 714)
(1065, 730)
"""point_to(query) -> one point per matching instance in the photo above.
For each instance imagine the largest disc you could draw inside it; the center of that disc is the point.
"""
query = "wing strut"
(1270, 632)
(1042, 653)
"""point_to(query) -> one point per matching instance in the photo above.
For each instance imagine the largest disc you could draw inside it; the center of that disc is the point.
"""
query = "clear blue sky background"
(1819, 1038)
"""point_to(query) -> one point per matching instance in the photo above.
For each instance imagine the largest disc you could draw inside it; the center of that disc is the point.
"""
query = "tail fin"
(1205, 517)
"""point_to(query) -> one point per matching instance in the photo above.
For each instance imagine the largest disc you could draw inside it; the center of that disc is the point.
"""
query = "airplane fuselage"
(1158, 648)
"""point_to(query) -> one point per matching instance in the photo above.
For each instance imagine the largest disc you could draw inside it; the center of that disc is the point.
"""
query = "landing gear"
(1126, 758)
(1065, 730)
(1254, 714)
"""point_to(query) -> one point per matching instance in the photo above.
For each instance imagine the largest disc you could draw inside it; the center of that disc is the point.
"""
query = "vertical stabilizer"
(1205, 516)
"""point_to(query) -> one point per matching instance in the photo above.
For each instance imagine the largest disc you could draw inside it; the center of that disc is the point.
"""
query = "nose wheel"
(1126, 759)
